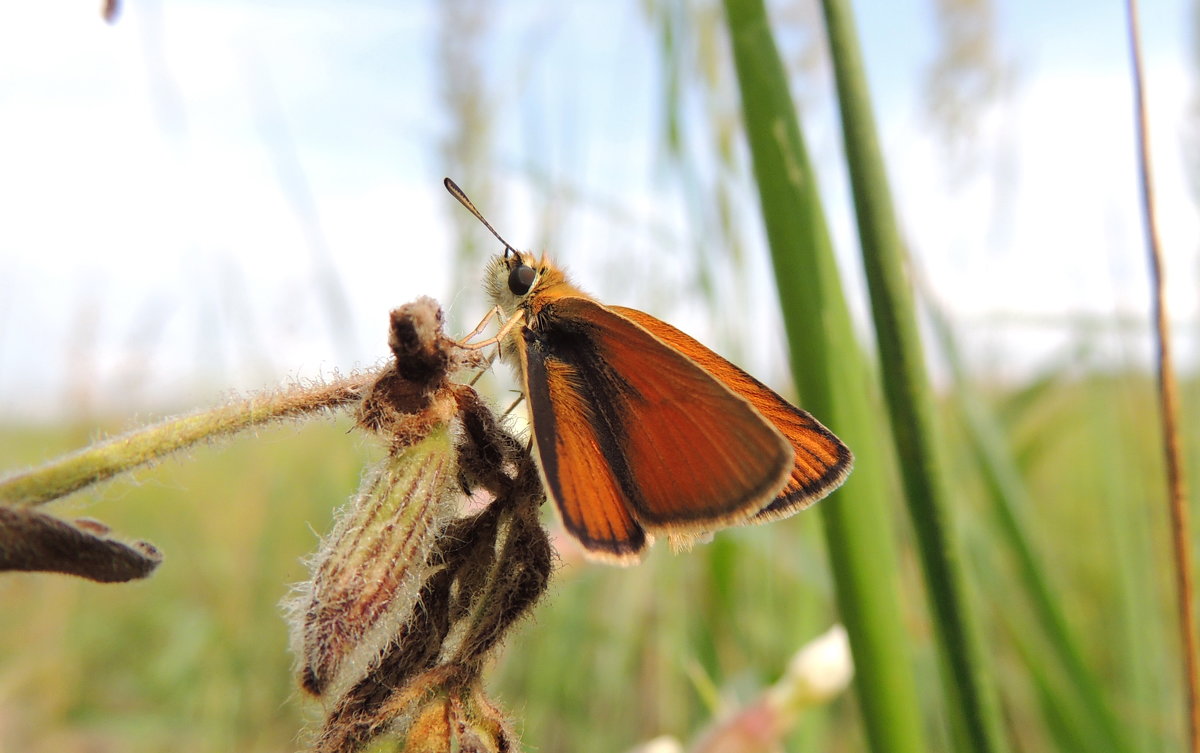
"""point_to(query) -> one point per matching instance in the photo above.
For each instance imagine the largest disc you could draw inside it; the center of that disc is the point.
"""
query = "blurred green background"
(610, 135)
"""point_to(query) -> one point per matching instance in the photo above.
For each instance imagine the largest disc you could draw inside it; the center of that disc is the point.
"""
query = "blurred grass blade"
(833, 381)
(1064, 724)
(971, 699)
(1009, 498)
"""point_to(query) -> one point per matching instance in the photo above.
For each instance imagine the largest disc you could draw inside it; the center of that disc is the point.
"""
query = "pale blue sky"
(149, 254)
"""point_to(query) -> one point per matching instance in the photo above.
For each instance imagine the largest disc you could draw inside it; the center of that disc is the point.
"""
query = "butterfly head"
(514, 277)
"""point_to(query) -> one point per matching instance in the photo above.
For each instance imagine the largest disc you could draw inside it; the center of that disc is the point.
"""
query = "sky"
(218, 195)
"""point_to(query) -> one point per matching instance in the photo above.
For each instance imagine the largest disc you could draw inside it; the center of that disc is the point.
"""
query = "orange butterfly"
(638, 428)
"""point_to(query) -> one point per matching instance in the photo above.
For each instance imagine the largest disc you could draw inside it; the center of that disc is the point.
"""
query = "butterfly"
(640, 430)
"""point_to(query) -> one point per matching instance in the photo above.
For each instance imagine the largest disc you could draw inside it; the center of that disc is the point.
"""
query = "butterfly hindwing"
(821, 461)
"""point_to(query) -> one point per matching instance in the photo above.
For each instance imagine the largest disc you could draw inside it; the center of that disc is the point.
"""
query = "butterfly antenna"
(458, 193)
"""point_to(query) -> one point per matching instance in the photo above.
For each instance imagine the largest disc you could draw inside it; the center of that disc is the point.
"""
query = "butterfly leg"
(514, 321)
(511, 408)
(495, 311)
(486, 364)
(466, 344)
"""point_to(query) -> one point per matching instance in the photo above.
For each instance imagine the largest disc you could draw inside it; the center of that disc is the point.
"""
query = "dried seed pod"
(368, 572)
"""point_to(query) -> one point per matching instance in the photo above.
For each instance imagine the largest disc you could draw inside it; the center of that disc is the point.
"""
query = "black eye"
(520, 279)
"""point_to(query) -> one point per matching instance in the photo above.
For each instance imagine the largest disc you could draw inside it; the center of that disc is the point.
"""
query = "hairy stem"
(103, 460)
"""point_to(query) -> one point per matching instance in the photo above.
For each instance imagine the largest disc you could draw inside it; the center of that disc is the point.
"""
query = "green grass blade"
(971, 699)
(833, 380)
(1009, 499)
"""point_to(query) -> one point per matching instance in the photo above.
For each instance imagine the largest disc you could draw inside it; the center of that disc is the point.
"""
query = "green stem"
(906, 388)
(127, 452)
(833, 380)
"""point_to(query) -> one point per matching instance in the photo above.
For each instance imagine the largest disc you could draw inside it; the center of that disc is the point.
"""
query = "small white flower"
(819, 671)
(661, 744)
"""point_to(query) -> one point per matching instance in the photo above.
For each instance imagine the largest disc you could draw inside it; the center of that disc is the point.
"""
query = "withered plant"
(426, 570)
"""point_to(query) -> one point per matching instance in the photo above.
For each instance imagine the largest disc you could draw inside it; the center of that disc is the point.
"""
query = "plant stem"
(106, 459)
(833, 380)
(1168, 398)
(971, 704)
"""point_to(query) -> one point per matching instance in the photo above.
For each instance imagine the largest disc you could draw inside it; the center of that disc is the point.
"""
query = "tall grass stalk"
(833, 381)
(970, 698)
(1168, 401)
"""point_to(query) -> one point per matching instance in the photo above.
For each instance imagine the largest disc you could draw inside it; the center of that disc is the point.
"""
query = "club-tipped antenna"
(458, 193)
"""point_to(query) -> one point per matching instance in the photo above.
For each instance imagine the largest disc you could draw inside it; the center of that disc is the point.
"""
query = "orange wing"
(821, 462)
(632, 435)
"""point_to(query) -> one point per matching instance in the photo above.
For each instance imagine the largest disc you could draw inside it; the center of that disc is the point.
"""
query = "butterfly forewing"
(820, 460)
(598, 515)
(696, 457)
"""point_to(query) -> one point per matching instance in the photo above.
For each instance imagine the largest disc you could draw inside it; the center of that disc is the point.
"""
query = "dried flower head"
(409, 595)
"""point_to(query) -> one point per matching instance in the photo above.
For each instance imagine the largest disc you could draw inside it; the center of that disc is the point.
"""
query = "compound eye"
(521, 278)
